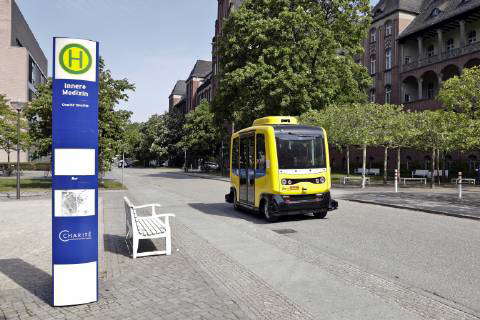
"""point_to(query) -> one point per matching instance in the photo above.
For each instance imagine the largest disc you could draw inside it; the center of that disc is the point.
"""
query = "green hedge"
(28, 166)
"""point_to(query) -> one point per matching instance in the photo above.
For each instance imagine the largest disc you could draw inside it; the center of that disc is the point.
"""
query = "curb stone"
(456, 215)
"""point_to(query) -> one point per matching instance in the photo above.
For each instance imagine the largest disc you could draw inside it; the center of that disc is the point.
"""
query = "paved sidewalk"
(443, 202)
(157, 287)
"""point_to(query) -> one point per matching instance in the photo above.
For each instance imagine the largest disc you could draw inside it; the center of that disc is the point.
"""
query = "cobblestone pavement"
(444, 202)
(149, 288)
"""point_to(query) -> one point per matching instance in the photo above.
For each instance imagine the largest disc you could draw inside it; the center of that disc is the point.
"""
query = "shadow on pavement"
(226, 210)
(29, 277)
(172, 175)
(116, 244)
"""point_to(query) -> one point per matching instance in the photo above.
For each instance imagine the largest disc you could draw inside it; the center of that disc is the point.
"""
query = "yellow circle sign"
(75, 59)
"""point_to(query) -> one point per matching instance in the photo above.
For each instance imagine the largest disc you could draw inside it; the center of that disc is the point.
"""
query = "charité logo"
(75, 59)
(66, 235)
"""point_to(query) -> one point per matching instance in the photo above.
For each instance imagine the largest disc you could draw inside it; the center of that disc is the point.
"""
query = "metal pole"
(459, 182)
(396, 180)
(185, 160)
(18, 153)
(123, 164)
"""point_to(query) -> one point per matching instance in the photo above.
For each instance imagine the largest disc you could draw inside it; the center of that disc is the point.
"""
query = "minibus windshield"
(297, 151)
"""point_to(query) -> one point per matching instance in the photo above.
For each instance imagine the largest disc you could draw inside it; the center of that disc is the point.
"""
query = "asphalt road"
(361, 262)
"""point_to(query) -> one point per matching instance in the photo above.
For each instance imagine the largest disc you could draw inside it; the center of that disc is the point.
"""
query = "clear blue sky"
(153, 43)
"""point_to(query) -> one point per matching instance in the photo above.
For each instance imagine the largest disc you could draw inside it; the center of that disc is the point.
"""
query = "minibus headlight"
(322, 179)
(317, 180)
(289, 181)
(284, 181)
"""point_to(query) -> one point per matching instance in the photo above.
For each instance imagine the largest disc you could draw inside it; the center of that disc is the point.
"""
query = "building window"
(388, 94)
(435, 13)
(430, 51)
(373, 35)
(373, 62)
(371, 95)
(450, 45)
(388, 28)
(430, 91)
(408, 98)
(472, 37)
(407, 60)
(388, 59)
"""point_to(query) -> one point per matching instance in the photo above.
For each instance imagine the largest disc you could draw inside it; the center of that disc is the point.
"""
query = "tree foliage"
(8, 129)
(201, 135)
(462, 93)
(112, 122)
(285, 57)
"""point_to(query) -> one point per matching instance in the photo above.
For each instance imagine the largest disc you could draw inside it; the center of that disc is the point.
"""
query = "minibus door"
(247, 165)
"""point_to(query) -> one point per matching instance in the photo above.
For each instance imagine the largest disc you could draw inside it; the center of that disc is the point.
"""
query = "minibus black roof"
(298, 129)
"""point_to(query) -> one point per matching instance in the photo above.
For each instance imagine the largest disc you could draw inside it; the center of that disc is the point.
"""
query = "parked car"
(210, 166)
(127, 163)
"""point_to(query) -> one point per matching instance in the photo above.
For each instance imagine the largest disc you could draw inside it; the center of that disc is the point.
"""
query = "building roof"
(201, 69)
(434, 12)
(180, 88)
(387, 7)
(206, 83)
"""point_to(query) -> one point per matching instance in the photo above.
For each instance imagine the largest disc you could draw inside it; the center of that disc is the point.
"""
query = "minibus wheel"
(267, 208)
(320, 214)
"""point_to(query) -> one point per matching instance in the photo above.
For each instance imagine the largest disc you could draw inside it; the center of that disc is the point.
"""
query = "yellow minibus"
(278, 167)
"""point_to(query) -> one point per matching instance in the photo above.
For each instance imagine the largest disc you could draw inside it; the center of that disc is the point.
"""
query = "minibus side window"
(235, 161)
(261, 157)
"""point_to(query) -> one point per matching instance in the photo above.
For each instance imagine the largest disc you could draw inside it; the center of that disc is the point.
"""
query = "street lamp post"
(18, 106)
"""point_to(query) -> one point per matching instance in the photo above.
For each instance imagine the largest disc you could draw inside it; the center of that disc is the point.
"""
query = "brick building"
(177, 95)
(23, 65)
(187, 94)
(412, 47)
(224, 9)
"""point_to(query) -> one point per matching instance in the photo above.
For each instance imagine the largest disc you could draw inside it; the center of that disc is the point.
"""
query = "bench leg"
(168, 244)
(135, 247)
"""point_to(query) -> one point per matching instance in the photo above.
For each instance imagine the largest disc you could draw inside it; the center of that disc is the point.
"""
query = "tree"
(8, 129)
(337, 124)
(285, 57)
(441, 131)
(462, 93)
(201, 134)
(168, 135)
(111, 122)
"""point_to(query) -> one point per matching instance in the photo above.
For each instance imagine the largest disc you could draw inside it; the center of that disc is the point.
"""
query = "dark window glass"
(261, 157)
(235, 161)
(296, 151)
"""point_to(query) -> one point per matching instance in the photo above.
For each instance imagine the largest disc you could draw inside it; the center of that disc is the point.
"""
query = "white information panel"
(74, 162)
(82, 288)
(74, 203)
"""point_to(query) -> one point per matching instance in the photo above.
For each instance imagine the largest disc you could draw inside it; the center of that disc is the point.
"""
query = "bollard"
(396, 180)
(459, 182)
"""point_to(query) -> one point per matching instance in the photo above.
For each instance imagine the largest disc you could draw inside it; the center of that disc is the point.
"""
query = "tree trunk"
(438, 167)
(398, 163)
(364, 165)
(432, 166)
(443, 166)
(348, 161)
(385, 165)
(8, 158)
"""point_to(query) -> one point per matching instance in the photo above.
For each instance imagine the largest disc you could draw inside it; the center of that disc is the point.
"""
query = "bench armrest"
(166, 216)
(147, 206)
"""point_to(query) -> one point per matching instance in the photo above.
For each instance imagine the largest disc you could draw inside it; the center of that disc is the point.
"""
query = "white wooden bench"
(147, 227)
(464, 181)
(371, 171)
(424, 180)
(428, 173)
(348, 178)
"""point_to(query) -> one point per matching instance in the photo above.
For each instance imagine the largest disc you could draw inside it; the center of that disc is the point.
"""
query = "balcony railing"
(416, 63)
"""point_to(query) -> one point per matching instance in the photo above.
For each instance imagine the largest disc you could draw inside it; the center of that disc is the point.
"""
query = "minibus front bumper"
(304, 203)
